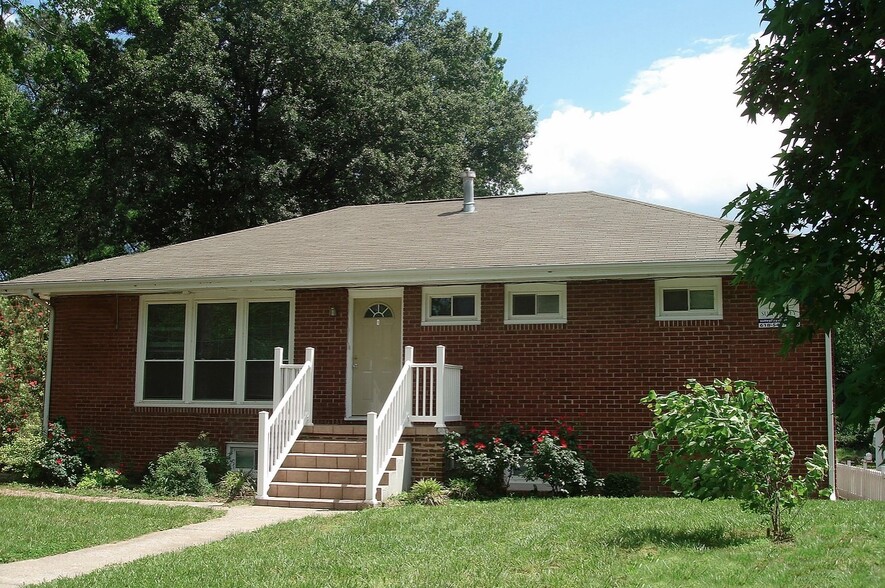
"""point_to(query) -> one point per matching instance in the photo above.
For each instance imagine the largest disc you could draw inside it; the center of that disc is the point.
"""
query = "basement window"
(243, 456)
(688, 299)
(534, 304)
(450, 305)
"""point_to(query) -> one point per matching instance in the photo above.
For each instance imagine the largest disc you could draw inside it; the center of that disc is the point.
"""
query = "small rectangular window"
(534, 303)
(243, 456)
(457, 305)
(688, 298)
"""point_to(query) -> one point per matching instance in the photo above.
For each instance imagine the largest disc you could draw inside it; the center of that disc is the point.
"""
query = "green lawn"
(36, 527)
(534, 542)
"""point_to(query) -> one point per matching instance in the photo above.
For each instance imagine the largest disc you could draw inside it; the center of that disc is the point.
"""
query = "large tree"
(818, 236)
(206, 116)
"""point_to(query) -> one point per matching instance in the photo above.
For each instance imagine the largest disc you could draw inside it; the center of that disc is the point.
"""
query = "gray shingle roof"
(405, 241)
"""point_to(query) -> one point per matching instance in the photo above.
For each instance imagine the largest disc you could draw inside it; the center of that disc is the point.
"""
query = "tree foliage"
(725, 440)
(23, 336)
(156, 121)
(819, 233)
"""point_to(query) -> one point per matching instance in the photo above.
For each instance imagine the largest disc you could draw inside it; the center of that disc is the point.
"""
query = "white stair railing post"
(371, 457)
(308, 358)
(277, 375)
(440, 386)
(263, 448)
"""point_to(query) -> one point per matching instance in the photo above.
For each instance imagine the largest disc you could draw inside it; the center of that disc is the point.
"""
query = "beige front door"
(377, 336)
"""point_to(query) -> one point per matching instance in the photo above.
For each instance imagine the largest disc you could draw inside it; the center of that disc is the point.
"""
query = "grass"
(37, 527)
(120, 492)
(533, 542)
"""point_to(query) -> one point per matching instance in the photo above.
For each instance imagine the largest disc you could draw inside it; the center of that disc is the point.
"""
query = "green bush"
(235, 484)
(179, 472)
(428, 492)
(556, 464)
(101, 478)
(21, 455)
(620, 485)
(462, 489)
(215, 462)
(725, 440)
(57, 458)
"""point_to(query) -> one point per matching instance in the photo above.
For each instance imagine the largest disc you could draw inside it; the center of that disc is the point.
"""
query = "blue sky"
(635, 98)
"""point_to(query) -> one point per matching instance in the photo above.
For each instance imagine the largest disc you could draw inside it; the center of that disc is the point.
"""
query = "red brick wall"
(93, 386)
(314, 327)
(591, 371)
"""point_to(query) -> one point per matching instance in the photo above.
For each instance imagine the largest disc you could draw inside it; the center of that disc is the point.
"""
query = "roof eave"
(407, 277)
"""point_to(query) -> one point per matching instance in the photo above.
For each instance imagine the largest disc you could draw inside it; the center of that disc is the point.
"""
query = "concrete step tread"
(317, 503)
(330, 470)
(319, 484)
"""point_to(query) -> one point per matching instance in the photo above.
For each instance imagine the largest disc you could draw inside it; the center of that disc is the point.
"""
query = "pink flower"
(463, 442)
(496, 440)
(58, 461)
(480, 446)
(563, 444)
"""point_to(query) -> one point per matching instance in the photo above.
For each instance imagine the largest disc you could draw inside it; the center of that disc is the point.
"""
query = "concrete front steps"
(326, 469)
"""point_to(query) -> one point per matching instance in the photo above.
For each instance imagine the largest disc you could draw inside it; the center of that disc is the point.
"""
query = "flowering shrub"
(24, 327)
(553, 455)
(57, 458)
(483, 462)
(554, 462)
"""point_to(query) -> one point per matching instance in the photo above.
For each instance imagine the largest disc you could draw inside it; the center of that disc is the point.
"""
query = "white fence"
(857, 483)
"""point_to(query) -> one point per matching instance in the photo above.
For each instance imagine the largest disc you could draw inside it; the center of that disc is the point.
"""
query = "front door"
(376, 358)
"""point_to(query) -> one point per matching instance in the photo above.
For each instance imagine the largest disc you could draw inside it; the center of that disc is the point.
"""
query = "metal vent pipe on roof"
(468, 176)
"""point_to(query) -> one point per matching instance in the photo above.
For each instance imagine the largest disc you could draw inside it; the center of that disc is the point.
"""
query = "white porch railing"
(384, 429)
(423, 392)
(293, 409)
(431, 406)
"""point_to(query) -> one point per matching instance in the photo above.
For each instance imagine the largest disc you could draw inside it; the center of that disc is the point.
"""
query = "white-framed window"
(535, 303)
(243, 456)
(211, 351)
(450, 305)
(688, 299)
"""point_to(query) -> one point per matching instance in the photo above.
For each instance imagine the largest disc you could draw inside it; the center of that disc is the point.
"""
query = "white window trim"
(439, 291)
(539, 319)
(233, 446)
(714, 284)
(242, 299)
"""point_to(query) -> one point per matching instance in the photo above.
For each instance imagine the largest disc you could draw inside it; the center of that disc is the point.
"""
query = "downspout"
(48, 380)
(831, 420)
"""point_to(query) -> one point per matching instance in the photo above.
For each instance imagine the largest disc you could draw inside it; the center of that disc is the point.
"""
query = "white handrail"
(293, 409)
(437, 391)
(384, 428)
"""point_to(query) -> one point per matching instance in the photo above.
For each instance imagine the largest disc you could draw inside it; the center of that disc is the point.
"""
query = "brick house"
(542, 306)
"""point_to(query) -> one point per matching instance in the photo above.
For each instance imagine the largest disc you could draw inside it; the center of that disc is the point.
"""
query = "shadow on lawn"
(709, 538)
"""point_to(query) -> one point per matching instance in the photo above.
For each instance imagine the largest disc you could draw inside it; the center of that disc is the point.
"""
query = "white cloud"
(678, 140)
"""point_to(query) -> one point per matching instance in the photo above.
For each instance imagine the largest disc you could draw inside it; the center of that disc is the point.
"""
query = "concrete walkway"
(238, 519)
